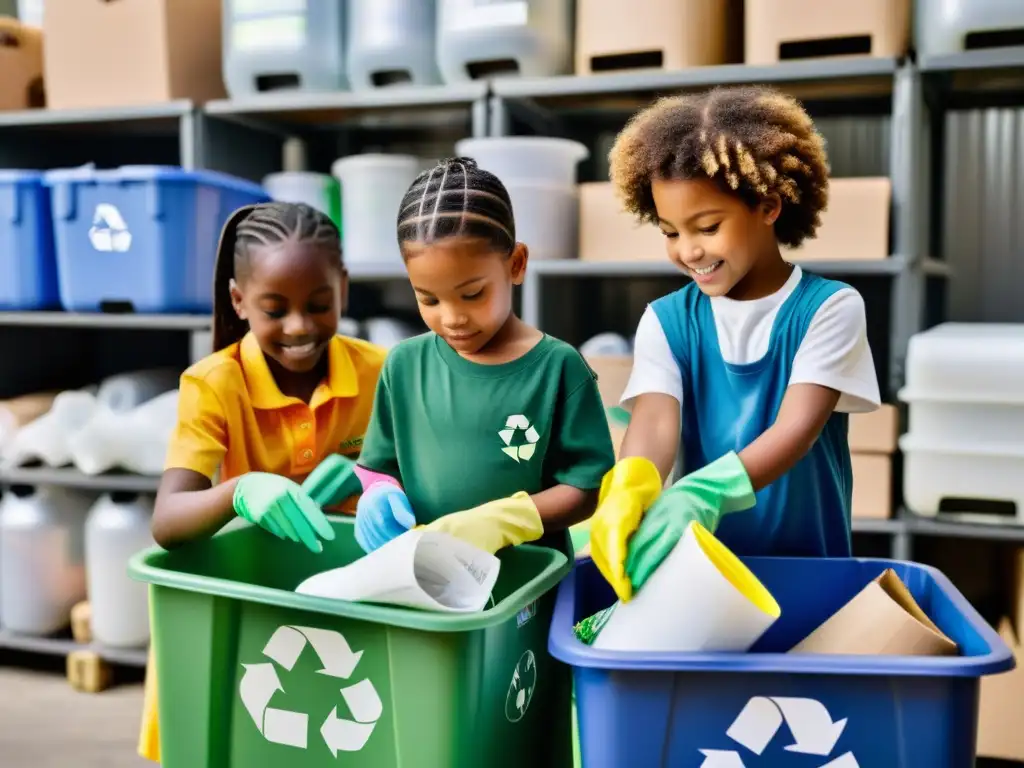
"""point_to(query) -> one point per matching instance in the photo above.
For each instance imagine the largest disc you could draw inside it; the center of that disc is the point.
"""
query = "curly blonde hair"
(753, 141)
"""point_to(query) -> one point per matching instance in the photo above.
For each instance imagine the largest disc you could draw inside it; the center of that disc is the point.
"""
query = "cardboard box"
(875, 432)
(21, 59)
(872, 486)
(612, 375)
(608, 233)
(832, 27)
(1000, 733)
(882, 620)
(855, 227)
(130, 52)
(665, 34)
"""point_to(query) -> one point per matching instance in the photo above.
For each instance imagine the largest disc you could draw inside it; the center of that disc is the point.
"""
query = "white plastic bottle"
(118, 526)
(42, 561)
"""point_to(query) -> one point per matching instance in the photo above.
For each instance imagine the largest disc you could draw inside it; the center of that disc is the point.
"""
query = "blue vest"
(806, 512)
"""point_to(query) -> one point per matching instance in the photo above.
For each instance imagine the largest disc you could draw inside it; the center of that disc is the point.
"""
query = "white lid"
(966, 362)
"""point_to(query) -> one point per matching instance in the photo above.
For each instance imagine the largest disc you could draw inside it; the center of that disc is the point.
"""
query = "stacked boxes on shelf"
(872, 445)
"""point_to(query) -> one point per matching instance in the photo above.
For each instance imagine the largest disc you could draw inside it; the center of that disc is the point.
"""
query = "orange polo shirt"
(233, 417)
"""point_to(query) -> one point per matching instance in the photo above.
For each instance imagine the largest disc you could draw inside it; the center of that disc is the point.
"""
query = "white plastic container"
(42, 559)
(283, 46)
(317, 190)
(372, 187)
(115, 530)
(537, 159)
(943, 29)
(965, 394)
(391, 42)
(547, 219)
(965, 381)
(489, 38)
(30, 12)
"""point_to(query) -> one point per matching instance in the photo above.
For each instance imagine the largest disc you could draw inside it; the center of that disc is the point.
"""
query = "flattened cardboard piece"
(999, 731)
(882, 620)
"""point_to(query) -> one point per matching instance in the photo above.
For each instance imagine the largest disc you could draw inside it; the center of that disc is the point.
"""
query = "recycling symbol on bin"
(808, 720)
(523, 448)
(520, 691)
(109, 231)
(280, 726)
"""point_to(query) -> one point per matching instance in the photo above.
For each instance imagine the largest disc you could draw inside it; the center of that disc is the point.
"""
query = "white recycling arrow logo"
(809, 722)
(109, 231)
(513, 425)
(281, 726)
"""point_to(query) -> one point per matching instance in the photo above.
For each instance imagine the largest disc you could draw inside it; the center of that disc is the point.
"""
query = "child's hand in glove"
(280, 506)
(382, 514)
(627, 490)
(333, 481)
(496, 524)
(704, 496)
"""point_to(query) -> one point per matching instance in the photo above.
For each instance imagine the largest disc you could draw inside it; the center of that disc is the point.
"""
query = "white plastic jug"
(391, 42)
(134, 440)
(372, 187)
(46, 438)
(115, 530)
(42, 558)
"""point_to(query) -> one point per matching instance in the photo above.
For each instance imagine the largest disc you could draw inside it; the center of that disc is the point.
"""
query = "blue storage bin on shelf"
(683, 710)
(141, 237)
(28, 264)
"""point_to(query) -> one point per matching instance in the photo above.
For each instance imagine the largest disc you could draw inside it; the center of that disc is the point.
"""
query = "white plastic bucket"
(516, 159)
(547, 219)
(317, 190)
(372, 187)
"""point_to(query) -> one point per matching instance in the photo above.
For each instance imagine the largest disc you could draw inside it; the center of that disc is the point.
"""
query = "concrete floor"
(44, 723)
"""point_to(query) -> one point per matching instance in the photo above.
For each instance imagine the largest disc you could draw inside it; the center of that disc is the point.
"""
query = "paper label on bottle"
(476, 14)
(277, 33)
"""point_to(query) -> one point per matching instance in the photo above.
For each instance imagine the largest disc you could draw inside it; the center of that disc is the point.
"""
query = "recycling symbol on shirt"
(520, 438)
(281, 726)
(808, 721)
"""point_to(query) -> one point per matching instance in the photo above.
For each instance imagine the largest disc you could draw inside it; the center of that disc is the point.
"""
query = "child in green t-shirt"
(483, 427)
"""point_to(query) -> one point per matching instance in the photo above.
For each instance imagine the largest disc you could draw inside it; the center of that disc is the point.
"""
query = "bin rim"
(140, 569)
(566, 647)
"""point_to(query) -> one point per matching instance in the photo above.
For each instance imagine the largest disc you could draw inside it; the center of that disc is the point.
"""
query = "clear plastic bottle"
(42, 558)
(117, 527)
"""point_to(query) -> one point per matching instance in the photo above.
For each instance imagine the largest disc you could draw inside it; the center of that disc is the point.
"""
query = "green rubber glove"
(703, 496)
(280, 506)
(333, 481)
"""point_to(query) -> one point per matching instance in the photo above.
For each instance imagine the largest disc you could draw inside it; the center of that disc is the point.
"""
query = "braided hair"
(457, 198)
(261, 225)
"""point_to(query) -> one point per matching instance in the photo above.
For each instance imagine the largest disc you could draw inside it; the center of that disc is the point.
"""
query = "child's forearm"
(563, 506)
(803, 414)
(654, 432)
(188, 508)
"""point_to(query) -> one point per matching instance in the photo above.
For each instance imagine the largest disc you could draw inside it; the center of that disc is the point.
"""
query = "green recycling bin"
(251, 673)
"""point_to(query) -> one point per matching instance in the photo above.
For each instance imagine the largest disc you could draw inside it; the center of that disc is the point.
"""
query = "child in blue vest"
(753, 367)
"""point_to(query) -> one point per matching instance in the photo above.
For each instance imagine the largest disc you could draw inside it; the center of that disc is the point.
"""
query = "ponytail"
(228, 327)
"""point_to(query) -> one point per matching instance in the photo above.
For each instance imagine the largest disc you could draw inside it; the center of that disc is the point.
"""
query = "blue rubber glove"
(382, 514)
(280, 506)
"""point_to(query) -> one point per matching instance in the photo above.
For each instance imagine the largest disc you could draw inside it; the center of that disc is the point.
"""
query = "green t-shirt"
(457, 434)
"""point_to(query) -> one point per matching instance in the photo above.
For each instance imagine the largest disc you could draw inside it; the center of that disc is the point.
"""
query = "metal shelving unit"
(247, 138)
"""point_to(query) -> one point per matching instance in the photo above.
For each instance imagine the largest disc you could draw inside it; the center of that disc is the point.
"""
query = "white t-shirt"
(834, 353)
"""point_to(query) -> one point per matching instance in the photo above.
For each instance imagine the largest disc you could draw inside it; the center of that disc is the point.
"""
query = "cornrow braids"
(753, 141)
(457, 198)
(261, 225)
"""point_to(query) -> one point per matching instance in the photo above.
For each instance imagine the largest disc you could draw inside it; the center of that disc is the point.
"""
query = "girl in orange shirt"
(281, 391)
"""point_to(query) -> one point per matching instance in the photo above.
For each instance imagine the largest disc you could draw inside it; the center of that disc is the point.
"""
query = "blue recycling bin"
(28, 264)
(771, 709)
(141, 237)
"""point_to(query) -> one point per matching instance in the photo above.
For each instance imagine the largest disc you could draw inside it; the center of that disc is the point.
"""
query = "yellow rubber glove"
(627, 490)
(496, 524)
